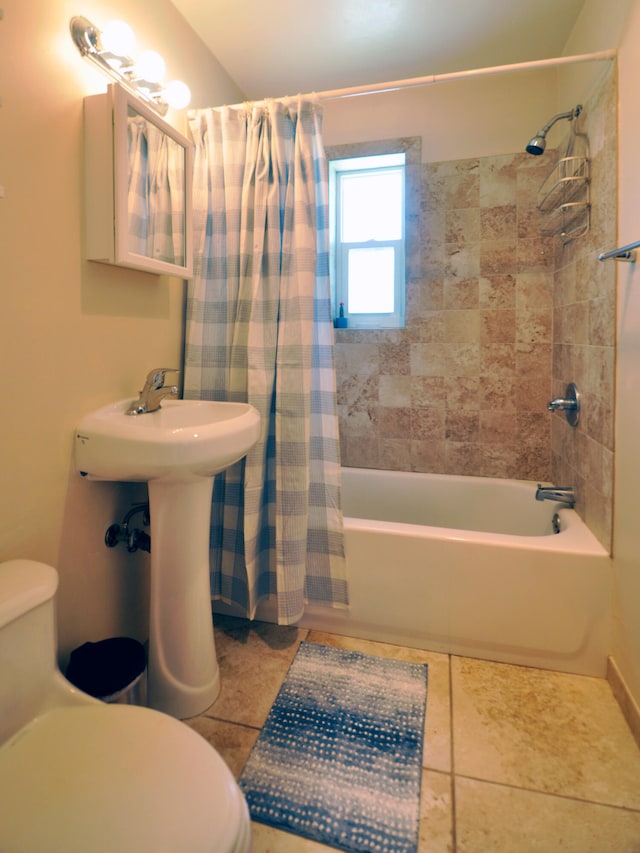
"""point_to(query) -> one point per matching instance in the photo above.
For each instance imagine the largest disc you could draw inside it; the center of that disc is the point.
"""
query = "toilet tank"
(27, 641)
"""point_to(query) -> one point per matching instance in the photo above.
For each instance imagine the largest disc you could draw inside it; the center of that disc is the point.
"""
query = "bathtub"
(471, 566)
(468, 566)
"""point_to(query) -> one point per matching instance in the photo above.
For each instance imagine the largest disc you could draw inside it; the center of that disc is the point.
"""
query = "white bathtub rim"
(574, 537)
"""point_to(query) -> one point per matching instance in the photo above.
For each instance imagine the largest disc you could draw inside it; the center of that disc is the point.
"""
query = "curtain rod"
(415, 82)
(431, 79)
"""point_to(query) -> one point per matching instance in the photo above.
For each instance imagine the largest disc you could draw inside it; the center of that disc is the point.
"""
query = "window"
(367, 210)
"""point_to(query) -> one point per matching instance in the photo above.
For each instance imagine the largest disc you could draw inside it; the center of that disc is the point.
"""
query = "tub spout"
(560, 494)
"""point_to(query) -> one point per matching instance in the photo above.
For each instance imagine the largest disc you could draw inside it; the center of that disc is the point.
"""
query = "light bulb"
(117, 37)
(150, 66)
(177, 94)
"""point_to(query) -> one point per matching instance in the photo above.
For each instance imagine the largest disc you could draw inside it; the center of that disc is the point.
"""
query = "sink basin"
(183, 439)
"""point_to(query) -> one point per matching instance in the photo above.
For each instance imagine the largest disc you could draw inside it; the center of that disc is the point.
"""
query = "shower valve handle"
(569, 404)
(562, 404)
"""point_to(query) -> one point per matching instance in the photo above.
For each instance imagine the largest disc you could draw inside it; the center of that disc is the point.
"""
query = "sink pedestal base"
(183, 674)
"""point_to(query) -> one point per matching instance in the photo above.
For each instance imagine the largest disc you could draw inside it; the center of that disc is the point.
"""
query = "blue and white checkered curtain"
(155, 197)
(259, 330)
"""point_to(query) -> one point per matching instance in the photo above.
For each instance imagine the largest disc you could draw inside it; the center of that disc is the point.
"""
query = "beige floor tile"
(437, 741)
(436, 813)
(495, 819)
(545, 731)
(234, 743)
(266, 839)
(254, 658)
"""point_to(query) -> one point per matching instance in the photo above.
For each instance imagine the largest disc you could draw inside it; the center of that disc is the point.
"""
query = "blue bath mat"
(339, 759)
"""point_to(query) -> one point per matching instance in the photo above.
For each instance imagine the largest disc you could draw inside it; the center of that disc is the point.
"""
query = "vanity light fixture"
(110, 49)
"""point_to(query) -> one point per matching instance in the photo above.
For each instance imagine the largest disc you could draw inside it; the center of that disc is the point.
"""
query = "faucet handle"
(569, 404)
(154, 391)
(155, 377)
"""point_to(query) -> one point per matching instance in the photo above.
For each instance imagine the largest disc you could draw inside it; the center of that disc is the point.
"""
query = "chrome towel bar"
(624, 253)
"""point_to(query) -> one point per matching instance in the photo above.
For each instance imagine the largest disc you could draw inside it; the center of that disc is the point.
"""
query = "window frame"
(343, 167)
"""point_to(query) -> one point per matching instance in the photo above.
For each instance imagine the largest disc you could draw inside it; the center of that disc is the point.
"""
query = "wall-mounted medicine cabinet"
(138, 173)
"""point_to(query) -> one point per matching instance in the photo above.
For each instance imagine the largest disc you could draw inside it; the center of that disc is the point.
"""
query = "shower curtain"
(259, 330)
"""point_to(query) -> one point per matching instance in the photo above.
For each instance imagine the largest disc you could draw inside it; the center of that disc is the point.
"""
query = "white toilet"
(80, 775)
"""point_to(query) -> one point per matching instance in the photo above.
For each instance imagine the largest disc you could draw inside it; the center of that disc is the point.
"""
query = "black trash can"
(112, 670)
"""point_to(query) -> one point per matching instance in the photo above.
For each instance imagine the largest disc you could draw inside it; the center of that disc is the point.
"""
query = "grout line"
(453, 768)
(230, 723)
(560, 796)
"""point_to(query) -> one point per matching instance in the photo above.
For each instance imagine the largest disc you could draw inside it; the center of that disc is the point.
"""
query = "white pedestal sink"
(177, 450)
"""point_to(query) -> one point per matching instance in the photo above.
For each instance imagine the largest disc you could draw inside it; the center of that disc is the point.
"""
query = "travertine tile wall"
(463, 389)
(585, 328)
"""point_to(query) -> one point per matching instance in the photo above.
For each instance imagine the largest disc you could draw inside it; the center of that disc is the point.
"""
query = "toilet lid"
(115, 777)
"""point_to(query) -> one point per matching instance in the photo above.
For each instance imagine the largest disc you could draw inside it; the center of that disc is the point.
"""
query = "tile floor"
(516, 759)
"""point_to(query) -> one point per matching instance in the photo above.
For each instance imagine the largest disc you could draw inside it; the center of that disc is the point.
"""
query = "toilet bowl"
(77, 774)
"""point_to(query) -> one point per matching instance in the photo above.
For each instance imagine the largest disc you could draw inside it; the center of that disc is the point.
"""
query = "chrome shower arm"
(538, 144)
(571, 114)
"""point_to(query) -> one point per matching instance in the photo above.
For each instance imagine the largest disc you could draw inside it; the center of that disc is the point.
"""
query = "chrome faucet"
(560, 494)
(154, 392)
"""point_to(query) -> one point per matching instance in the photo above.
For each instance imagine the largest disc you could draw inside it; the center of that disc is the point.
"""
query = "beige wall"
(626, 633)
(471, 118)
(74, 335)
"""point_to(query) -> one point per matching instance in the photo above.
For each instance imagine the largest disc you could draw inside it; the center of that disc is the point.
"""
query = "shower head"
(537, 145)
